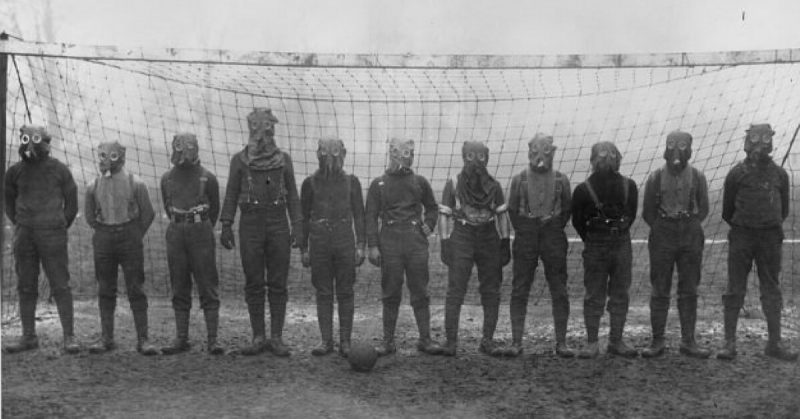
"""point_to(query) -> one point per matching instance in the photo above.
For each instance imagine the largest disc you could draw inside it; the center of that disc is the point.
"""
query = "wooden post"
(3, 127)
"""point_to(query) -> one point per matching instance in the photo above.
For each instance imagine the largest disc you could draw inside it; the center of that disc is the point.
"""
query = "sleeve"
(429, 203)
(292, 199)
(513, 201)
(357, 206)
(579, 198)
(566, 200)
(372, 212)
(90, 205)
(784, 190)
(164, 193)
(306, 201)
(729, 190)
(701, 194)
(146, 213)
(212, 189)
(70, 191)
(231, 191)
(10, 194)
(502, 221)
(448, 195)
(650, 204)
(632, 206)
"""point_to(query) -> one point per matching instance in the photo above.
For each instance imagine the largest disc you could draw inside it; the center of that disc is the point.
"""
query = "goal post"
(141, 97)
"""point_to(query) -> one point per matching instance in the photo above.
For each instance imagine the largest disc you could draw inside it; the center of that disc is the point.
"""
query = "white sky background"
(417, 27)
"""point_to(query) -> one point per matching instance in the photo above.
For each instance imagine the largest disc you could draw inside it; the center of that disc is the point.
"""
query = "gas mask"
(261, 143)
(110, 157)
(330, 154)
(476, 156)
(540, 153)
(605, 158)
(758, 142)
(401, 155)
(185, 150)
(34, 143)
(678, 151)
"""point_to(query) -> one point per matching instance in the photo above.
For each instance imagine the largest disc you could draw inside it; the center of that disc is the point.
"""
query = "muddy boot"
(212, 325)
(28, 340)
(346, 312)
(452, 317)
(616, 344)
(592, 348)
(259, 343)
(325, 320)
(181, 341)
(143, 344)
(425, 343)
(562, 349)
(488, 346)
(66, 315)
(106, 341)
(775, 347)
(687, 310)
(517, 314)
(390, 314)
(658, 322)
(277, 317)
(728, 352)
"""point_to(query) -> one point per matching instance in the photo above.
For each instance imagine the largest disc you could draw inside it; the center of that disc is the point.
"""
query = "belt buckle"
(196, 217)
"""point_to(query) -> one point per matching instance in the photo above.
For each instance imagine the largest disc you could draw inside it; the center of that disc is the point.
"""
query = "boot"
(259, 343)
(65, 314)
(517, 314)
(452, 317)
(212, 324)
(658, 322)
(390, 314)
(27, 315)
(106, 341)
(346, 313)
(728, 352)
(426, 344)
(325, 319)
(277, 316)
(775, 347)
(143, 345)
(687, 310)
(592, 348)
(181, 341)
(562, 349)
(488, 345)
(616, 345)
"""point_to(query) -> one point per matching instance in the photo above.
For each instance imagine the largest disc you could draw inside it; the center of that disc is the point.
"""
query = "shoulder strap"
(201, 194)
(625, 186)
(349, 189)
(523, 193)
(594, 197)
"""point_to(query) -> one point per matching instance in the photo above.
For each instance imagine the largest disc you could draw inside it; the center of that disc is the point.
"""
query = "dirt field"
(123, 384)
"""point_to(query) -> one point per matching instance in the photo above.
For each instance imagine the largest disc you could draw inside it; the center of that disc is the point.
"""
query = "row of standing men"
(332, 228)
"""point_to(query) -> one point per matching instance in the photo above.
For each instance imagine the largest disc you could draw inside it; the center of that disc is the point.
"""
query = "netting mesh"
(143, 104)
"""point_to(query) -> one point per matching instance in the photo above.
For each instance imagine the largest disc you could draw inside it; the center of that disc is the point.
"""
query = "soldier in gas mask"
(539, 206)
(261, 183)
(118, 208)
(755, 202)
(397, 237)
(191, 200)
(675, 205)
(603, 208)
(474, 230)
(332, 242)
(41, 200)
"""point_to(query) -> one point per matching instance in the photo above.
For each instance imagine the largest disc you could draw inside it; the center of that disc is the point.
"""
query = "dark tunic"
(399, 197)
(41, 194)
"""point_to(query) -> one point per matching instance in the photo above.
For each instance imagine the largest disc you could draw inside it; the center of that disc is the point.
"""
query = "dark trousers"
(265, 244)
(548, 242)
(45, 246)
(607, 275)
(116, 246)
(474, 245)
(764, 247)
(675, 243)
(332, 253)
(404, 255)
(191, 252)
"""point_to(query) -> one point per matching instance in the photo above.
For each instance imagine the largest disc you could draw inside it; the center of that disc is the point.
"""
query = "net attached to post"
(87, 95)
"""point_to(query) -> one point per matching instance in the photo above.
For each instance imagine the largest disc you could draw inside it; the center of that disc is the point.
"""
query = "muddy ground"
(123, 384)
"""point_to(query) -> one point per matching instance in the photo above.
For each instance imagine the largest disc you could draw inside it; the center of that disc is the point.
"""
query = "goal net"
(87, 95)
